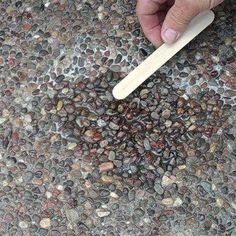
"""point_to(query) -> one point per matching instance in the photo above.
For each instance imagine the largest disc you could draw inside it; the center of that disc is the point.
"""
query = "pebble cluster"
(75, 161)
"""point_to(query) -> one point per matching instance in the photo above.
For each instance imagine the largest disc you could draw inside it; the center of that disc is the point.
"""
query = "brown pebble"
(166, 114)
(107, 179)
(27, 27)
(1, 61)
(76, 166)
(38, 182)
(106, 166)
(59, 105)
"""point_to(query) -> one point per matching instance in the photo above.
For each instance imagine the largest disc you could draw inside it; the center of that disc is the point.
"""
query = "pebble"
(131, 195)
(166, 114)
(206, 186)
(60, 105)
(102, 212)
(72, 215)
(167, 201)
(106, 166)
(114, 126)
(144, 92)
(139, 212)
(112, 156)
(23, 225)
(177, 202)
(28, 176)
(155, 115)
(168, 123)
(114, 195)
(192, 127)
(1, 60)
(115, 68)
(28, 118)
(146, 144)
(2, 120)
(45, 223)
(101, 123)
(71, 146)
(107, 179)
(48, 194)
(219, 202)
(76, 166)
(158, 188)
(166, 181)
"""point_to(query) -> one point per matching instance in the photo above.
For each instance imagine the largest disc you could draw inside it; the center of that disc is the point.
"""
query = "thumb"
(178, 18)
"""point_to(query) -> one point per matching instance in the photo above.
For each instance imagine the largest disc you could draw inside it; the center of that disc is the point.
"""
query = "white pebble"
(168, 123)
(166, 181)
(47, 4)
(45, 223)
(167, 201)
(102, 212)
(60, 187)
(186, 97)
(71, 146)
(2, 120)
(177, 202)
(48, 194)
(36, 36)
(114, 195)
(28, 118)
(23, 225)
(101, 8)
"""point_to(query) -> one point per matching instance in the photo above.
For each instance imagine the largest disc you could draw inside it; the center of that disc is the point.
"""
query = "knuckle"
(138, 8)
(190, 5)
(213, 3)
(179, 15)
(210, 3)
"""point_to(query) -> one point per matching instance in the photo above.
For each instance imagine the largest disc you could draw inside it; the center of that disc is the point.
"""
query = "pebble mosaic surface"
(74, 161)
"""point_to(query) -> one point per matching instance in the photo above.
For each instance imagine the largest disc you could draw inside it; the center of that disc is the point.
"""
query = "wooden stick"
(161, 56)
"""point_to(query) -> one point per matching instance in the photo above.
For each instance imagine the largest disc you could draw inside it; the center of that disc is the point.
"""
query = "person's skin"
(165, 20)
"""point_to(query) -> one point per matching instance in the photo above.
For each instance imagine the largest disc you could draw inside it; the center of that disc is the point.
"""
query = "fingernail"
(170, 36)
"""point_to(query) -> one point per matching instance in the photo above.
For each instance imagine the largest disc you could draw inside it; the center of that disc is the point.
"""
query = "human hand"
(165, 20)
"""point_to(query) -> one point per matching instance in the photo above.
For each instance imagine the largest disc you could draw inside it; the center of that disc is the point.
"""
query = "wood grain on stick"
(161, 56)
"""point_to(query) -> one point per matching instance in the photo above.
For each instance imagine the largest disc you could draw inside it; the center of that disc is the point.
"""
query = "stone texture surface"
(74, 161)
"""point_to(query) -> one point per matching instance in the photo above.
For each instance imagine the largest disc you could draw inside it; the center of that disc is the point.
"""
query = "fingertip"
(170, 35)
(177, 19)
(158, 43)
(155, 39)
(154, 36)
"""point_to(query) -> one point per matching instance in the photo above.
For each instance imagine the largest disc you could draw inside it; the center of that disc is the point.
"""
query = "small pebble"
(177, 202)
(158, 188)
(166, 181)
(166, 114)
(106, 166)
(168, 123)
(23, 225)
(45, 223)
(167, 201)
(114, 126)
(112, 156)
(2, 120)
(102, 212)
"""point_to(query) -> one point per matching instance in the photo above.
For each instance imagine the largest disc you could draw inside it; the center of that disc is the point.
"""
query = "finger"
(149, 7)
(152, 27)
(177, 19)
(180, 15)
(150, 17)
(213, 3)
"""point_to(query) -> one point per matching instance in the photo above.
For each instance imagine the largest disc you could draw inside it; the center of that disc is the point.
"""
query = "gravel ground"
(76, 162)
